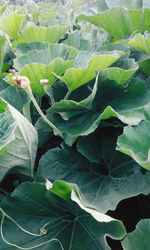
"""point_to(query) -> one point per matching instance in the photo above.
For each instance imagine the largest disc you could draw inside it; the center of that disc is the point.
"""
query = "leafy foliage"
(74, 125)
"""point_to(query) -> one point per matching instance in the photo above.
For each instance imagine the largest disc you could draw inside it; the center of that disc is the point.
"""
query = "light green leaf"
(108, 179)
(121, 72)
(123, 21)
(139, 238)
(36, 217)
(135, 142)
(2, 51)
(40, 34)
(18, 142)
(36, 71)
(11, 25)
(46, 56)
(85, 67)
(140, 43)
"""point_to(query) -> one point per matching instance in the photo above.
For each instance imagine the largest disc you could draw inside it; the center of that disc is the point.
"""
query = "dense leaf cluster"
(88, 69)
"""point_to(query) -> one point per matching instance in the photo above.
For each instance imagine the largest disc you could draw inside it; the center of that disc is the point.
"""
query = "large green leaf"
(34, 217)
(135, 142)
(85, 67)
(11, 25)
(139, 238)
(40, 34)
(110, 178)
(127, 103)
(120, 22)
(18, 142)
(46, 56)
(36, 71)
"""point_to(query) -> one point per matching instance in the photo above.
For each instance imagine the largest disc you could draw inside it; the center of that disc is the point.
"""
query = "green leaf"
(123, 21)
(2, 51)
(140, 43)
(46, 56)
(36, 71)
(43, 34)
(69, 108)
(127, 103)
(139, 238)
(108, 179)
(25, 47)
(135, 142)
(18, 142)
(11, 25)
(35, 217)
(121, 72)
(14, 96)
(85, 67)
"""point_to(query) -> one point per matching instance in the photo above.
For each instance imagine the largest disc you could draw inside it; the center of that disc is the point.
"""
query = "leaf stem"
(50, 94)
(67, 95)
(56, 131)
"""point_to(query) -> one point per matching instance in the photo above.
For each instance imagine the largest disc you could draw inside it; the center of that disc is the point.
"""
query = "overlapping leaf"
(110, 177)
(54, 218)
(123, 21)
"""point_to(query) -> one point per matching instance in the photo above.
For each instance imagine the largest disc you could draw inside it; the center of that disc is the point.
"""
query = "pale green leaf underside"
(18, 142)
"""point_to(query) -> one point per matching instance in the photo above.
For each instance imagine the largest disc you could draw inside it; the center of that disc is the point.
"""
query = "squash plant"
(74, 126)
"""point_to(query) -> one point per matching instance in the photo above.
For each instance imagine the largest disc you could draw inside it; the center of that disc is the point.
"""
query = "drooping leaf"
(135, 142)
(108, 179)
(18, 142)
(36, 217)
(11, 25)
(40, 34)
(139, 238)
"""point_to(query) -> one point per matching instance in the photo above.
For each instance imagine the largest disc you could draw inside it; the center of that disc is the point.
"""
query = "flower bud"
(11, 71)
(45, 84)
(23, 82)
